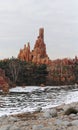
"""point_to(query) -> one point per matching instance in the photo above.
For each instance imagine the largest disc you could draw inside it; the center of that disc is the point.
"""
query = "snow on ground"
(26, 89)
(72, 97)
(18, 103)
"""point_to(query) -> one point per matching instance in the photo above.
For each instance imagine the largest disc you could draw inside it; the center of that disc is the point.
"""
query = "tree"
(41, 74)
(76, 72)
(14, 67)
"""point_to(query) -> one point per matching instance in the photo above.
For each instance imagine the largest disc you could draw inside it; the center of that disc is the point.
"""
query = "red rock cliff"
(38, 55)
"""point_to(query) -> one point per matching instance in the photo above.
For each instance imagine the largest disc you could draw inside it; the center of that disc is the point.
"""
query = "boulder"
(74, 122)
(50, 113)
(70, 109)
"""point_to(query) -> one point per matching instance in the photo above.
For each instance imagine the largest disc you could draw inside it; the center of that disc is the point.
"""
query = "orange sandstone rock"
(38, 55)
(24, 53)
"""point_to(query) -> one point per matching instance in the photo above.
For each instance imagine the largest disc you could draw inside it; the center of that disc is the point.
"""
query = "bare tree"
(14, 66)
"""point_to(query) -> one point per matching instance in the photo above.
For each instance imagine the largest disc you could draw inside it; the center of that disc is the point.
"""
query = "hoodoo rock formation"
(25, 53)
(38, 55)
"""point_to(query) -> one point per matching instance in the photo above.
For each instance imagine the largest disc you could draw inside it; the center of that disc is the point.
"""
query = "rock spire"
(38, 55)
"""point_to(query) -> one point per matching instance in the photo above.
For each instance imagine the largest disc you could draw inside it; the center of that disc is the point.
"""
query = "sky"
(20, 21)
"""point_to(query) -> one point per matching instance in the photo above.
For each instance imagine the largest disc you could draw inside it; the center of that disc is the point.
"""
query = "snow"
(72, 97)
(26, 89)
(14, 104)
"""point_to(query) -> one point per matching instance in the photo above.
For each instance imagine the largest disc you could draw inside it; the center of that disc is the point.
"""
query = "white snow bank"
(72, 97)
(26, 89)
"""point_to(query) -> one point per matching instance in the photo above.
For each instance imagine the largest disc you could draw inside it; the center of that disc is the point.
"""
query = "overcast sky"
(20, 21)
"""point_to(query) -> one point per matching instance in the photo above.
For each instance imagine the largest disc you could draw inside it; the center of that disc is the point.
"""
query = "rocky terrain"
(28, 99)
(64, 117)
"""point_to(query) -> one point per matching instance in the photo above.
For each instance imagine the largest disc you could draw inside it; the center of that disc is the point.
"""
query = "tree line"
(63, 72)
(22, 73)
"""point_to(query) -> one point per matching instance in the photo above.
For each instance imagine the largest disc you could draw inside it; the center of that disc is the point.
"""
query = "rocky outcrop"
(25, 53)
(38, 55)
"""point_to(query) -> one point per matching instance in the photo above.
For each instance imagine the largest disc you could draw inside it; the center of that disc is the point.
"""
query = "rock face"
(25, 53)
(38, 54)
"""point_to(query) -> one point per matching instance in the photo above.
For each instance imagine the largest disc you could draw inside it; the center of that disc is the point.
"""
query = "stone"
(38, 55)
(72, 115)
(46, 114)
(58, 122)
(14, 128)
(37, 127)
(74, 118)
(5, 127)
(66, 123)
(50, 113)
(47, 128)
(70, 110)
(74, 122)
(38, 109)
(2, 119)
(53, 112)
(12, 119)
(24, 124)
